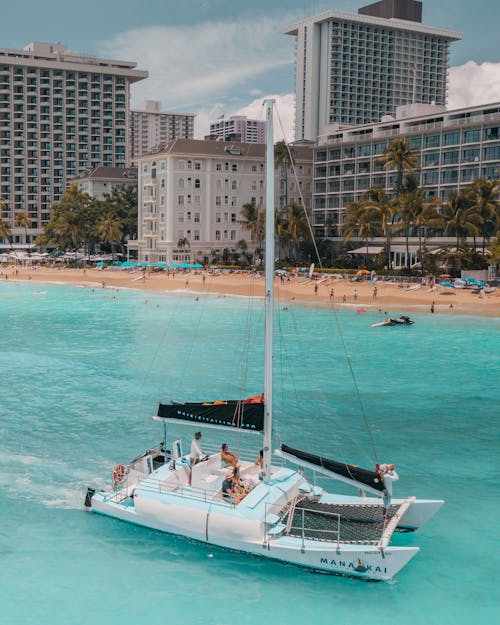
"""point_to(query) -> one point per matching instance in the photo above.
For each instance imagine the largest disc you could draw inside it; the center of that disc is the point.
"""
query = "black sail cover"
(231, 414)
(349, 471)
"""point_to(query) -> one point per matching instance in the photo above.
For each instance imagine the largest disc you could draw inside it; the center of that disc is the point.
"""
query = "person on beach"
(332, 295)
(203, 278)
(374, 293)
(344, 298)
(315, 287)
(355, 294)
(432, 308)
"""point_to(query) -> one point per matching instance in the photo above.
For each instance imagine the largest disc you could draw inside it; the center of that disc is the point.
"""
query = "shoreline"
(389, 297)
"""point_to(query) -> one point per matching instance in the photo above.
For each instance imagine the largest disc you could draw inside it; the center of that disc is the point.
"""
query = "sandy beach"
(356, 296)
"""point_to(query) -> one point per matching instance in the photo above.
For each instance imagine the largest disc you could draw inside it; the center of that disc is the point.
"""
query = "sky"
(214, 57)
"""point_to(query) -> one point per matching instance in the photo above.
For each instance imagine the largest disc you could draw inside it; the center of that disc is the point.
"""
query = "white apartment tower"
(355, 68)
(238, 128)
(61, 113)
(150, 127)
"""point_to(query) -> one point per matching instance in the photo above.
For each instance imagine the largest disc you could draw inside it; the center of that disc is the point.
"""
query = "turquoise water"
(82, 372)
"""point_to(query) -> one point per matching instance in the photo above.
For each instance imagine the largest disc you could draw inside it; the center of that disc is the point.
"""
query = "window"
(431, 159)
(491, 133)
(471, 136)
(180, 200)
(450, 176)
(451, 138)
(492, 154)
(197, 218)
(450, 158)
(218, 200)
(217, 235)
(432, 141)
(470, 156)
(197, 183)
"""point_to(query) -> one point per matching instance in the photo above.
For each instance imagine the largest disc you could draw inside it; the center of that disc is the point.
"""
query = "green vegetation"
(80, 222)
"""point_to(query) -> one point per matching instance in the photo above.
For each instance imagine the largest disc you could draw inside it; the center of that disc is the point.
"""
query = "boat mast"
(269, 296)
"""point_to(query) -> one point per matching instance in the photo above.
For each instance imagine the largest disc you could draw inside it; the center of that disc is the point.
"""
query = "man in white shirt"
(197, 453)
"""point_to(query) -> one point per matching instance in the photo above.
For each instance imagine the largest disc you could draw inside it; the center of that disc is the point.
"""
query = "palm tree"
(109, 230)
(483, 196)
(297, 227)
(360, 222)
(22, 220)
(282, 157)
(5, 231)
(417, 213)
(458, 217)
(399, 156)
(253, 221)
(242, 245)
(383, 212)
(183, 243)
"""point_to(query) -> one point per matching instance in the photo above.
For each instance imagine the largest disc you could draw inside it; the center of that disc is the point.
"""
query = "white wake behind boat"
(279, 514)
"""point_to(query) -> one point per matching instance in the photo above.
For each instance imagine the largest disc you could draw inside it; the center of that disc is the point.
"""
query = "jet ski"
(403, 320)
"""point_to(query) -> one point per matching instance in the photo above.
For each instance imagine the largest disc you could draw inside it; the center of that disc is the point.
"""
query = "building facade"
(149, 127)
(193, 192)
(60, 113)
(455, 148)
(353, 69)
(238, 128)
(100, 182)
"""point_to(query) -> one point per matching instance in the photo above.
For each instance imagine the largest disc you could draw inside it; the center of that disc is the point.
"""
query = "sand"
(389, 298)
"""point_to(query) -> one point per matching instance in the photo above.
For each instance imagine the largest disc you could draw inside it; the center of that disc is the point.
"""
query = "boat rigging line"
(337, 320)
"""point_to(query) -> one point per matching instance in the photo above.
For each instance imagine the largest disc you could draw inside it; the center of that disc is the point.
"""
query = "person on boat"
(240, 489)
(259, 461)
(197, 454)
(227, 456)
(389, 475)
(228, 486)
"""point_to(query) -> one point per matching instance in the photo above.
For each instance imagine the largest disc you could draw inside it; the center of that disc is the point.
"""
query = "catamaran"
(280, 514)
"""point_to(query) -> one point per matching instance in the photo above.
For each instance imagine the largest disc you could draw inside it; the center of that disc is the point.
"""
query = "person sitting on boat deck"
(227, 456)
(197, 454)
(228, 486)
(240, 489)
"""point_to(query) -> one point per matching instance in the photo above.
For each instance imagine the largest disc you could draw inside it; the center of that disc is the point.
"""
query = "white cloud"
(190, 65)
(474, 84)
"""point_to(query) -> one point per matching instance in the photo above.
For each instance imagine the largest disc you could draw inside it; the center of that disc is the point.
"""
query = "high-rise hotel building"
(61, 113)
(150, 127)
(355, 68)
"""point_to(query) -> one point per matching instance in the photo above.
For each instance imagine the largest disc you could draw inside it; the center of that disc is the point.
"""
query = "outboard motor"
(88, 498)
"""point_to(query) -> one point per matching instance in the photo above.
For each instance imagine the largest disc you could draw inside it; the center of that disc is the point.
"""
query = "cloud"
(190, 65)
(473, 84)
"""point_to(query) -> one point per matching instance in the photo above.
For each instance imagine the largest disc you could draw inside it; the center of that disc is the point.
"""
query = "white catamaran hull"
(250, 537)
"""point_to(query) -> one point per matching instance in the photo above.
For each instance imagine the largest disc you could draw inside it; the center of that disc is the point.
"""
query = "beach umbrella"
(363, 272)
(280, 272)
(197, 266)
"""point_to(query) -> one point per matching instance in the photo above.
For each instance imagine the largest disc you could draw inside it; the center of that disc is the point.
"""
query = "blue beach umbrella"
(197, 266)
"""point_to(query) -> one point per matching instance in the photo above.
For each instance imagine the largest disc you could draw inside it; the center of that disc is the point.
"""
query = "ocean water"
(82, 371)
